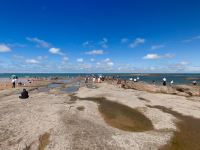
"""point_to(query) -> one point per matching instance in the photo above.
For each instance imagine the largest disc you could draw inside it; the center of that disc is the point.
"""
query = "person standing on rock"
(164, 81)
(99, 80)
(172, 82)
(13, 83)
(194, 82)
(86, 80)
(93, 80)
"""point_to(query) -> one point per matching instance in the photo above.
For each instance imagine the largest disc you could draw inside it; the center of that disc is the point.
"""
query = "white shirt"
(99, 80)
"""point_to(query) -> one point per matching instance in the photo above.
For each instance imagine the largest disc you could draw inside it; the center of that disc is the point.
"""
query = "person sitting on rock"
(24, 94)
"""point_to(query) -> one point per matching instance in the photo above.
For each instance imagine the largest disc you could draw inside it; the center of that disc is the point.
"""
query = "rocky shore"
(100, 116)
(182, 90)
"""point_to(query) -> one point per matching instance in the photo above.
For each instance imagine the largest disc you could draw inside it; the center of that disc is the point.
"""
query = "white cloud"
(192, 39)
(137, 42)
(167, 56)
(98, 63)
(154, 47)
(4, 48)
(107, 60)
(183, 63)
(193, 69)
(124, 40)
(42, 57)
(39, 42)
(88, 44)
(95, 52)
(105, 64)
(65, 58)
(92, 59)
(178, 67)
(79, 60)
(16, 45)
(16, 57)
(54, 50)
(156, 56)
(64, 61)
(32, 61)
(104, 42)
(85, 66)
(110, 64)
(151, 56)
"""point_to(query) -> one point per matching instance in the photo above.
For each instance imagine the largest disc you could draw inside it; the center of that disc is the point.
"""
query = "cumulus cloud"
(104, 42)
(137, 42)
(79, 60)
(39, 42)
(4, 48)
(110, 64)
(107, 60)
(90, 44)
(151, 56)
(37, 60)
(105, 64)
(154, 47)
(95, 52)
(56, 51)
(156, 56)
(32, 61)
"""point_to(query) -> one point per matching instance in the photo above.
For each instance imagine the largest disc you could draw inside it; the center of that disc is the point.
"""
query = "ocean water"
(177, 78)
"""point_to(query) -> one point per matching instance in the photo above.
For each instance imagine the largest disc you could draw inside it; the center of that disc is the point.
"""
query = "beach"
(98, 116)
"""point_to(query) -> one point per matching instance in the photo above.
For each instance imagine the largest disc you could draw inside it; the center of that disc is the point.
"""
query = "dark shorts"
(23, 97)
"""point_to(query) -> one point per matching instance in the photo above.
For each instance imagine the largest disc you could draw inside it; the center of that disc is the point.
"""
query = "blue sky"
(99, 36)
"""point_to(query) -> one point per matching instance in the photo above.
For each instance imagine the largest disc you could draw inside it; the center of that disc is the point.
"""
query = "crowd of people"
(137, 79)
(95, 79)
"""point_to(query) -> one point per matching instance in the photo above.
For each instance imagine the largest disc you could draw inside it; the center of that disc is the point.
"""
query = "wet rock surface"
(120, 116)
(107, 117)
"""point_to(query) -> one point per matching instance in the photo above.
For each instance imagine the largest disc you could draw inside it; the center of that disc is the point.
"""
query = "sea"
(178, 78)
